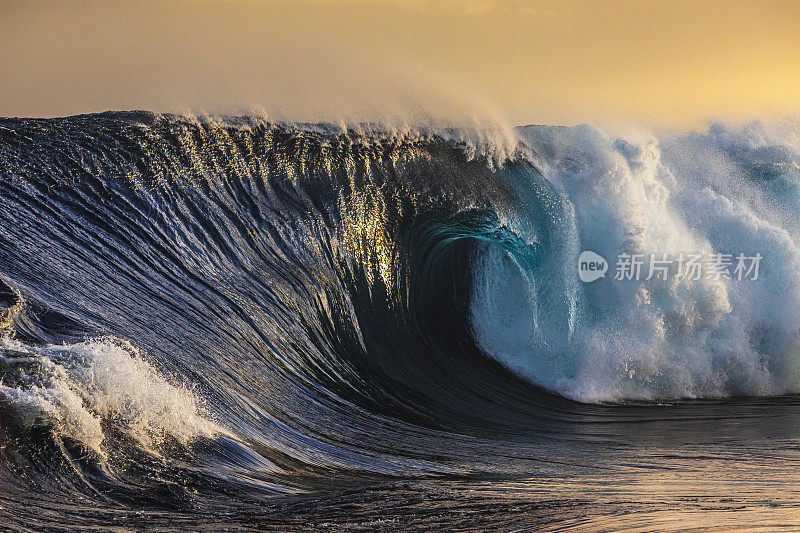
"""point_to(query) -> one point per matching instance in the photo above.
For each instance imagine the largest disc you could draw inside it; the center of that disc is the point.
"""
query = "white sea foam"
(75, 387)
(724, 191)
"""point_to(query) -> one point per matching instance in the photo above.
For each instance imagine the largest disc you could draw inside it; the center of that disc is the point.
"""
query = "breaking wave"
(196, 307)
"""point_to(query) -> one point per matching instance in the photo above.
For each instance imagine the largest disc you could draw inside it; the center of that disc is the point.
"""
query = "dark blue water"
(235, 324)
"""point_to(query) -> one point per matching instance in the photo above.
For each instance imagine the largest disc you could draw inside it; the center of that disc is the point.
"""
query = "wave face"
(203, 315)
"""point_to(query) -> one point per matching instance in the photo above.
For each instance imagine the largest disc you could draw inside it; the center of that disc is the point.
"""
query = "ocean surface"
(236, 324)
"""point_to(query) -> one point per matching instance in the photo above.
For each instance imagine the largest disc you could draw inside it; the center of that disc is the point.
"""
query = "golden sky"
(673, 63)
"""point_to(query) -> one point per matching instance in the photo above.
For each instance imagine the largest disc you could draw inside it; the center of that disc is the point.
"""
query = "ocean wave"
(268, 305)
